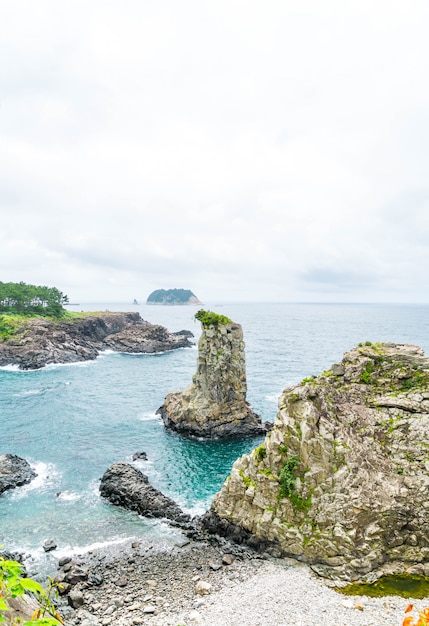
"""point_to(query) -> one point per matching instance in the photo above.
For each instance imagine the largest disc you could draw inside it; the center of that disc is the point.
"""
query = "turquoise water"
(71, 422)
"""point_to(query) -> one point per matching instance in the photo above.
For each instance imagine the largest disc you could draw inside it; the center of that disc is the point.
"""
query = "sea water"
(71, 422)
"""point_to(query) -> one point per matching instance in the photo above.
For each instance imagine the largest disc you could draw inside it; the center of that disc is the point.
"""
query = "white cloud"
(271, 151)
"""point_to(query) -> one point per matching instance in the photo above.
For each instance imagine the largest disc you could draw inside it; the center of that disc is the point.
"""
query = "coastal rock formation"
(40, 341)
(14, 472)
(214, 405)
(124, 485)
(342, 480)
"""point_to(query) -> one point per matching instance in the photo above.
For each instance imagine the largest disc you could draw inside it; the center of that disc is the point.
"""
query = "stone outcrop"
(342, 480)
(14, 472)
(214, 405)
(124, 485)
(40, 341)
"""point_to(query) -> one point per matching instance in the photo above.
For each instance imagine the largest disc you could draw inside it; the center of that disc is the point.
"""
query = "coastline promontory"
(38, 341)
(342, 480)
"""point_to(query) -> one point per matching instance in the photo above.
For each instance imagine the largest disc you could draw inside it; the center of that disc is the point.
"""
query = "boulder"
(342, 480)
(214, 406)
(14, 471)
(124, 485)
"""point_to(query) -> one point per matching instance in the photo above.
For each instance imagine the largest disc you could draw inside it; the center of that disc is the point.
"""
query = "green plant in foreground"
(14, 584)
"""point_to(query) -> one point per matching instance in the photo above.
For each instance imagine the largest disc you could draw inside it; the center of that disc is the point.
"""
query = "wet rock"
(140, 456)
(14, 471)
(124, 485)
(49, 545)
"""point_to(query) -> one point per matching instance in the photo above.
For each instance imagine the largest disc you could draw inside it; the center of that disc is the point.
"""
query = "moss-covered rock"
(343, 482)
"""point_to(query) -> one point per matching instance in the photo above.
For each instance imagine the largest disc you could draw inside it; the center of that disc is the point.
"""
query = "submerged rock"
(124, 485)
(215, 405)
(14, 471)
(342, 480)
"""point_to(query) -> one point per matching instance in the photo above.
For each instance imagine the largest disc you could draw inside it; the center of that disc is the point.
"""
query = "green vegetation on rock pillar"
(209, 318)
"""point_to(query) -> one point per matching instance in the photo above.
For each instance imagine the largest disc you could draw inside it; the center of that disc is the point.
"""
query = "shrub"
(13, 584)
(209, 318)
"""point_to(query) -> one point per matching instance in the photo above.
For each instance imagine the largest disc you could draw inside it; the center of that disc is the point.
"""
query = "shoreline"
(145, 585)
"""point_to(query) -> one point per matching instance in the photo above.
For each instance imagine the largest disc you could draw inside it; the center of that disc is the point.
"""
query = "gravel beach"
(214, 585)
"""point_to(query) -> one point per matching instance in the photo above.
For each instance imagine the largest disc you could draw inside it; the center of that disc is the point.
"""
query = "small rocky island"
(39, 341)
(342, 480)
(214, 405)
(172, 297)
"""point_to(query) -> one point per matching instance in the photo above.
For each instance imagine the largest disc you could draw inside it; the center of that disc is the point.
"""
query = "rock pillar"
(215, 405)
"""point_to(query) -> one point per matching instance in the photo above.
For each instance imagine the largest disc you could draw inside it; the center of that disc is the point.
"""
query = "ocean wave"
(29, 392)
(47, 476)
(13, 368)
(68, 496)
(148, 417)
(107, 352)
(273, 397)
(51, 366)
(91, 547)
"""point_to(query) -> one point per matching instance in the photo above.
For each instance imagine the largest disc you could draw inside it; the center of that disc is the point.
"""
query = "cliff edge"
(342, 480)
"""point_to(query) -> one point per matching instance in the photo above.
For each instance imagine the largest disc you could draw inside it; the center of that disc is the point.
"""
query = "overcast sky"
(270, 150)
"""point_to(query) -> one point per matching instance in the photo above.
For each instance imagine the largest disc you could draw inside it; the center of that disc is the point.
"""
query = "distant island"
(172, 297)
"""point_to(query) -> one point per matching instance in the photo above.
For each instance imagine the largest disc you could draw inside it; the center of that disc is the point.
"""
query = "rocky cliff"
(214, 405)
(342, 480)
(40, 341)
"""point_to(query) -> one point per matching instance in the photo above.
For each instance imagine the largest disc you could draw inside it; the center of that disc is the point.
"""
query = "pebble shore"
(215, 585)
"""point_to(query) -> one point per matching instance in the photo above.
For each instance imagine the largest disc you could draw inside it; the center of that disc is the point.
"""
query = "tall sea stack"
(214, 406)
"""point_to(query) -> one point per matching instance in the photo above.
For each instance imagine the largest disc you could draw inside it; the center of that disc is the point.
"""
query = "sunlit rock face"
(215, 405)
(342, 480)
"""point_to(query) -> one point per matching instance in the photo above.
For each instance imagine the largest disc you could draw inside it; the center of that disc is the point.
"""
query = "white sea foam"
(96, 545)
(29, 392)
(148, 417)
(47, 475)
(273, 397)
(12, 368)
(68, 496)
(74, 364)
